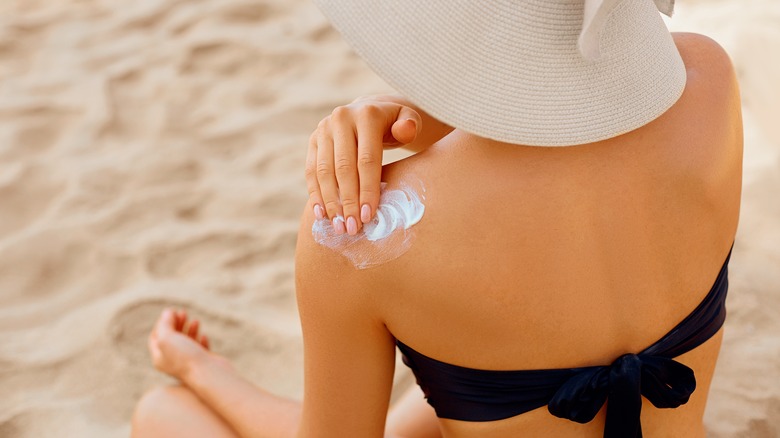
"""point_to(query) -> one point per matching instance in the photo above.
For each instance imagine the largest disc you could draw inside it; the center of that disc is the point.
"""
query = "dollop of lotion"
(385, 238)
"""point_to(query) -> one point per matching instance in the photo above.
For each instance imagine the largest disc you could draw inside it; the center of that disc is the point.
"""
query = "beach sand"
(151, 155)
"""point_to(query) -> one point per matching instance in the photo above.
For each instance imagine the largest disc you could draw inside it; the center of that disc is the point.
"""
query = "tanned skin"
(526, 258)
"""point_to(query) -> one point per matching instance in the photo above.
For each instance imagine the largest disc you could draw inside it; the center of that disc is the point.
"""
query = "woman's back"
(538, 258)
(565, 276)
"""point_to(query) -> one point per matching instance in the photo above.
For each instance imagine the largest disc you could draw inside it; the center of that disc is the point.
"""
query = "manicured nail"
(365, 213)
(319, 212)
(351, 226)
(338, 225)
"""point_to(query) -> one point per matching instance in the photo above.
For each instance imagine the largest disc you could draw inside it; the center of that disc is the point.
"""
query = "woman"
(534, 283)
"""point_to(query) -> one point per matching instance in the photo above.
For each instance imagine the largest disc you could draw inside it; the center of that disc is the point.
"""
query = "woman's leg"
(412, 417)
(174, 411)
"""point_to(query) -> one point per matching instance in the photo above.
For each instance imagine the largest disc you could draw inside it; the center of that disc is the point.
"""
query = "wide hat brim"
(512, 70)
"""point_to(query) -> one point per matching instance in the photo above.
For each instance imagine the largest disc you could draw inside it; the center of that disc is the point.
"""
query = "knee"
(154, 408)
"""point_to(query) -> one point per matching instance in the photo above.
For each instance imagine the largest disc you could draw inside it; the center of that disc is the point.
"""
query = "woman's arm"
(349, 355)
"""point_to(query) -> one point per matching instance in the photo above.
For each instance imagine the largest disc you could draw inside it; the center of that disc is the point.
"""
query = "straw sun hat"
(532, 72)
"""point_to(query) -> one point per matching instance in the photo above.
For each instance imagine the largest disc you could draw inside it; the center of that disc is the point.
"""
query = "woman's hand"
(344, 162)
(176, 346)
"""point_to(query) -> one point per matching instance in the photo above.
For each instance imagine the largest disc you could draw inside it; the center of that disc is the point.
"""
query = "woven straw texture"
(510, 70)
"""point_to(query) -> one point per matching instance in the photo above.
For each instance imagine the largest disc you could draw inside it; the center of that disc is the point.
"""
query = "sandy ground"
(151, 154)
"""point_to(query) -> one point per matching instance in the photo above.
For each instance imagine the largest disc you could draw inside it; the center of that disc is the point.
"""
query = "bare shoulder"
(319, 271)
(707, 119)
(698, 49)
(315, 262)
(703, 130)
(324, 277)
(712, 80)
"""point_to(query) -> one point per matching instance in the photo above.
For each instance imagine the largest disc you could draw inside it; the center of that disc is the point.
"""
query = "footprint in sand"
(235, 339)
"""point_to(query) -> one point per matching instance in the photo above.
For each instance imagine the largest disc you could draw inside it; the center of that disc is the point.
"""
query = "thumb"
(407, 125)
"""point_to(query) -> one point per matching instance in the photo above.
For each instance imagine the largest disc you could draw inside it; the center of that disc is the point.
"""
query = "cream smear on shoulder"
(385, 238)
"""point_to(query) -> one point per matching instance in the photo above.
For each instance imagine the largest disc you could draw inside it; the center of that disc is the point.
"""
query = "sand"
(151, 155)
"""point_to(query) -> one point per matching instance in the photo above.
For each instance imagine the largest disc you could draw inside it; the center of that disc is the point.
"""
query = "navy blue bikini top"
(578, 394)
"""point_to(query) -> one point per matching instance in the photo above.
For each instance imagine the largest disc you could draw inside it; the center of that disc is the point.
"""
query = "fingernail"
(365, 213)
(338, 225)
(319, 212)
(351, 226)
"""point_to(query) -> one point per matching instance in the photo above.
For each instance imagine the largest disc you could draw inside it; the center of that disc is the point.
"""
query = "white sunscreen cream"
(385, 238)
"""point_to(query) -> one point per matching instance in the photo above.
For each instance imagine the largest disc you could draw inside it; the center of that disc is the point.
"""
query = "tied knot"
(664, 381)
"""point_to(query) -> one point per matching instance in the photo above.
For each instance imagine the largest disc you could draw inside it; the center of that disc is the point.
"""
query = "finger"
(326, 177)
(193, 329)
(404, 131)
(369, 164)
(407, 126)
(204, 341)
(312, 185)
(345, 162)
